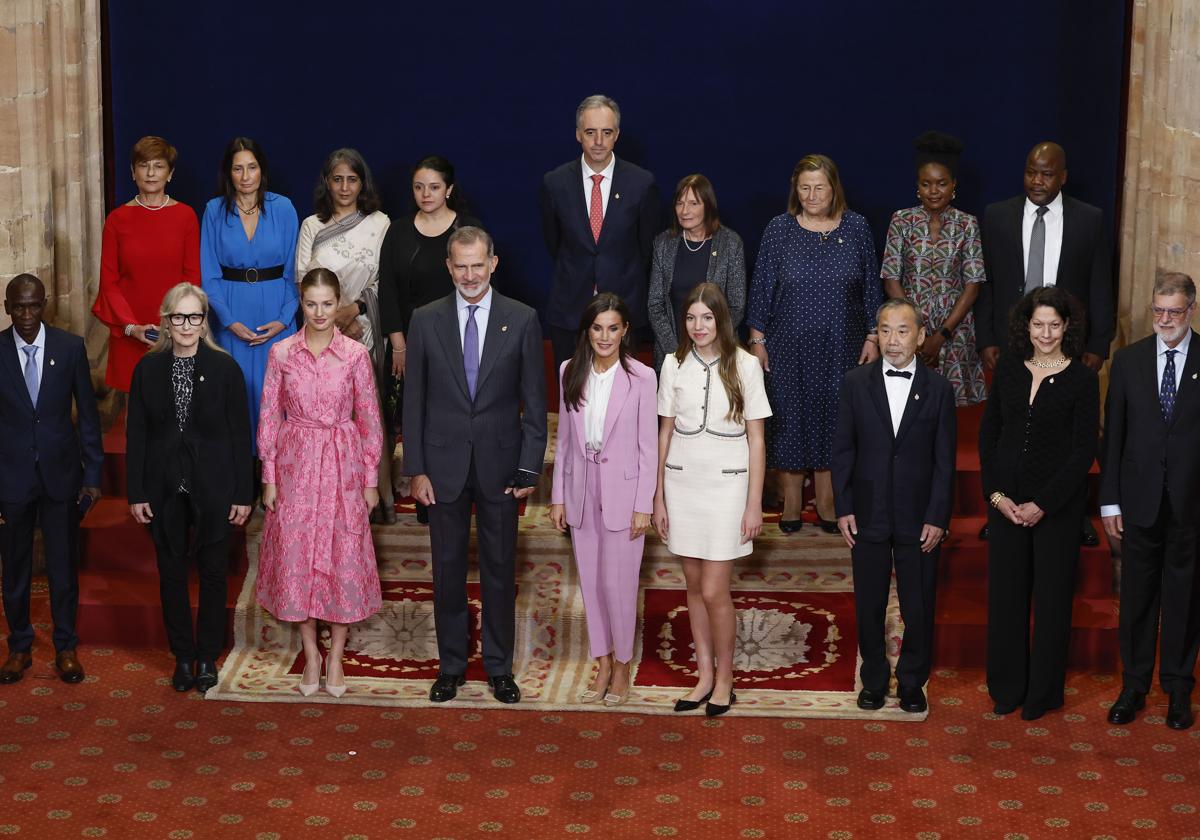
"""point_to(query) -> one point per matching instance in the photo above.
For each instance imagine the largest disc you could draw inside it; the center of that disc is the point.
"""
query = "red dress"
(144, 253)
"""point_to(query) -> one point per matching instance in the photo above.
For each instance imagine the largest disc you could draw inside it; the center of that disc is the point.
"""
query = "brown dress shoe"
(14, 668)
(69, 669)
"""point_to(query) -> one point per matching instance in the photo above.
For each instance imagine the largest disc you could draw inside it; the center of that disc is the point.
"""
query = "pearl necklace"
(1046, 365)
(698, 246)
(138, 199)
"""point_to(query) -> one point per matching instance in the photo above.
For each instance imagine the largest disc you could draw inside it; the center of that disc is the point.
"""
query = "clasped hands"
(1026, 515)
(260, 335)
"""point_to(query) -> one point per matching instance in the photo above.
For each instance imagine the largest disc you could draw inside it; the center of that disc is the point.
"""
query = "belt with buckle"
(251, 275)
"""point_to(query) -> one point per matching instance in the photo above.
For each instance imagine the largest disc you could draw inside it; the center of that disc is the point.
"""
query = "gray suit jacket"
(444, 427)
(727, 269)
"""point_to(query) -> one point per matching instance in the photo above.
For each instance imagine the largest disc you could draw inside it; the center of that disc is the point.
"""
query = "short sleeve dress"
(707, 475)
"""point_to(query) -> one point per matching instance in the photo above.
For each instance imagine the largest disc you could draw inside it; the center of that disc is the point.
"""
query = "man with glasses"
(1150, 501)
(50, 469)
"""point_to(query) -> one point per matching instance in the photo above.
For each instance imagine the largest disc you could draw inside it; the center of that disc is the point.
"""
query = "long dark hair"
(710, 295)
(1062, 302)
(443, 167)
(575, 375)
(225, 187)
(368, 197)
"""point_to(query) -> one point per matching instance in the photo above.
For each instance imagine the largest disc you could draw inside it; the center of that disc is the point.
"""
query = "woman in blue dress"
(811, 317)
(247, 265)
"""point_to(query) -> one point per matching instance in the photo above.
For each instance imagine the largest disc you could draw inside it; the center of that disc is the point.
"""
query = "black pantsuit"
(1039, 452)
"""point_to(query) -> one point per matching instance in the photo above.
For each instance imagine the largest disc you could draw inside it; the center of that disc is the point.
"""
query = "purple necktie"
(471, 350)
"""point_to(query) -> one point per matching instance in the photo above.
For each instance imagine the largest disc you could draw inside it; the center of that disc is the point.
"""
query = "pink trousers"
(609, 565)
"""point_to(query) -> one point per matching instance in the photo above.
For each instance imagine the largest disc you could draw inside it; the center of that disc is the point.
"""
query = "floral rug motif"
(796, 652)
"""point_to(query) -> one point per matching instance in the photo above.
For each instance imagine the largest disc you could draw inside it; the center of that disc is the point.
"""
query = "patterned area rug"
(796, 651)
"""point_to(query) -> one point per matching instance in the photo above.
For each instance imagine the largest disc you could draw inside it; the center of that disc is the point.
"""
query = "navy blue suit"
(893, 484)
(619, 262)
(46, 461)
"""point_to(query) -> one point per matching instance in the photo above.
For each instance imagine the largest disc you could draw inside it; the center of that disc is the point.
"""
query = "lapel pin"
(616, 195)
(51, 362)
(504, 328)
(201, 377)
(714, 253)
(916, 396)
(1051, 380)
(1195, 375)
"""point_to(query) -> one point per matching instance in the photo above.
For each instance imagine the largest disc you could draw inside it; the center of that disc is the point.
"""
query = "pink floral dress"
(320, 441)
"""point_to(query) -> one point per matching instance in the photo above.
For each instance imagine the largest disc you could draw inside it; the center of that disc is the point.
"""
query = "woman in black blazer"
(188, 459)
(1037, 441)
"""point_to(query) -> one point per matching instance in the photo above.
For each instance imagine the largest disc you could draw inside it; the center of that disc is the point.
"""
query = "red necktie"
(596, 215)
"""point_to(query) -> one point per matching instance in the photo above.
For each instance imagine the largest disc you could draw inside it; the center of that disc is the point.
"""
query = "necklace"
(1060, 360)
(246, 212)
(699, 245)
(824, 234)
(140, 203)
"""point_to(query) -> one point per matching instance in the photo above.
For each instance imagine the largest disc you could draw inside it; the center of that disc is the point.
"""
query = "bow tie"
(907, 374)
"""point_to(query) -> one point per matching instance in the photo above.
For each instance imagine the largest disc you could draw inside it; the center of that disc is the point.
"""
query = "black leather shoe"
(445, 687)
(1126, 707)
(206, 675)
(1088, 536)
(1004, 708)
(790, 526)
(686, 705)
(983, 535)
(716, 709)
(871, 700)
(504, 688)
(1179, 713)
(183, 679)
(829, 526)
(912, 700)
(1031, 713)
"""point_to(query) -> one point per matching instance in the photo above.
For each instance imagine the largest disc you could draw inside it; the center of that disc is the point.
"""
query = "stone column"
(51, 155)
(1160, 219)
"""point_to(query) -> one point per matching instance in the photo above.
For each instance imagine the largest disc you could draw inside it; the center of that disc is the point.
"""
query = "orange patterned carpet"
(123, 756)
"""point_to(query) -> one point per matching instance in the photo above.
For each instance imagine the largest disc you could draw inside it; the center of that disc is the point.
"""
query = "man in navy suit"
(599, 218)
(49, 468)
(893, 487)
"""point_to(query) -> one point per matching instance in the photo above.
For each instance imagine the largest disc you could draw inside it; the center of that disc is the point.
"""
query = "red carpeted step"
(109, 540)
(961, 639)
(964, 561)
(122, 607)
(112, 481)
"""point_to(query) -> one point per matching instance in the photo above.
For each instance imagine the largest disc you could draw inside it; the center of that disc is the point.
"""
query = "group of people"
(852, 374)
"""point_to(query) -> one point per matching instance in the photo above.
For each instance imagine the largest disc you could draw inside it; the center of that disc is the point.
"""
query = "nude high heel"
(334, 691)
(309, 689)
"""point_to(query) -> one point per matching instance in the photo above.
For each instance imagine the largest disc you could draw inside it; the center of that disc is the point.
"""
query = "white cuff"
(1110, 510)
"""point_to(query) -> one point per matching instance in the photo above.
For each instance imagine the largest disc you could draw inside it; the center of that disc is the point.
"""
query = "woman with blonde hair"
(188, 459)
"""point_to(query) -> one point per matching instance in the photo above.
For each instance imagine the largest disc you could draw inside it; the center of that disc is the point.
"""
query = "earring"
(954, 195)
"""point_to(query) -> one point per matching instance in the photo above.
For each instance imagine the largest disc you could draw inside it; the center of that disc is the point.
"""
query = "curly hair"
(1062, 302)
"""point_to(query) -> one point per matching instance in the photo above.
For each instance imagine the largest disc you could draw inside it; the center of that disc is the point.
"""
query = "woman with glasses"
(188, 459)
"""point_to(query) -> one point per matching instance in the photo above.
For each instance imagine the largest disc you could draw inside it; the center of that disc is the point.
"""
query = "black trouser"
(171, 541)
(59, 521)
(1024, 562)
(562, 342)
(916, 589)
(450, 536)
(1158, 569)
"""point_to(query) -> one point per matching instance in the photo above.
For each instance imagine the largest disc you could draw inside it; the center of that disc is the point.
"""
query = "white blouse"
(595, 406)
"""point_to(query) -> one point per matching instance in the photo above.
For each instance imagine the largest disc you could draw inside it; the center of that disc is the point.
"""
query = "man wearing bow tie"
(474, 435)
(48, 469)
(893, 487)
(599, 218)
(1150, 502)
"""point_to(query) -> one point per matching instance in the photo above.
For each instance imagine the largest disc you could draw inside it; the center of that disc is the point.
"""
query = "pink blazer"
(628, 459)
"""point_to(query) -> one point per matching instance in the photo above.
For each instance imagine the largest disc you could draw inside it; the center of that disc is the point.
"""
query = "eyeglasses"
(193, 318)
(1174, 311)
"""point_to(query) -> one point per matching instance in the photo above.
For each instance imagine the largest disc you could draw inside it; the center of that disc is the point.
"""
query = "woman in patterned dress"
(934, 257)
(319, 437)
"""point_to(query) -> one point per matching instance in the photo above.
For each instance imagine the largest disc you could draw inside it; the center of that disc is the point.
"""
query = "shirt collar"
(1055, 207)
(911, 367)
(485, 304)
(39, 341)
(339, 345)
(607, 171)
(1182, 346)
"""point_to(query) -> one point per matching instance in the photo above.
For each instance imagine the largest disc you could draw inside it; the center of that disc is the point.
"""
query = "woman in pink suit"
(319, 439)
(605, 471)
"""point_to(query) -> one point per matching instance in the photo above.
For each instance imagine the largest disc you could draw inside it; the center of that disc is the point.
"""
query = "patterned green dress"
(933, 274)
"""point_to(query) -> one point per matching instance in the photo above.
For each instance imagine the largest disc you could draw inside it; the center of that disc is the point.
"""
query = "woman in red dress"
(150, 243)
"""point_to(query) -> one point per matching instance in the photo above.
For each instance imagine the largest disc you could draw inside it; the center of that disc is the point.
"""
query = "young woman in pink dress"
(319, 439)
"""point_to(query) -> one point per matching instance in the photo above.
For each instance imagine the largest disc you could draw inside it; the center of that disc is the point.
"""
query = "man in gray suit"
(474, 361)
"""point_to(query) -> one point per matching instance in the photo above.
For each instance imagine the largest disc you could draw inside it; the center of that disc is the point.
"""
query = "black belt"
(251, 275)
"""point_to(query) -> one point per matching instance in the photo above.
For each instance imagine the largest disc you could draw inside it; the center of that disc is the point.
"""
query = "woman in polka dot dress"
(811, 317)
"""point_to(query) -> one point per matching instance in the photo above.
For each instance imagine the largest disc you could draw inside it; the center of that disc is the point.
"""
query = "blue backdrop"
(738, 91)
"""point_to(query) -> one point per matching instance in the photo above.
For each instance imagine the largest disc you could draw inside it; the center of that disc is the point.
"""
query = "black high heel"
(790, 526)
(686, 705)
(716, 710)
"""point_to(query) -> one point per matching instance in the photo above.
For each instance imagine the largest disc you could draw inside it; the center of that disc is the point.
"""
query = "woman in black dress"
(1037, 441)
(412, 261)
(188, 458)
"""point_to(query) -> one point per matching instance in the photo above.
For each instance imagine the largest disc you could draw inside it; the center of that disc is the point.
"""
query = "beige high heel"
(309, 689)
(334, 691)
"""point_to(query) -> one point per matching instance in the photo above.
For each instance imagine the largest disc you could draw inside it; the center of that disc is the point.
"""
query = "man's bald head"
(22, 282)
(1045, 172)
(24, 301)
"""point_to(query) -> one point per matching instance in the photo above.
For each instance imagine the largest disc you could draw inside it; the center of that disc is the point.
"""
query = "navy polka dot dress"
(813, 296)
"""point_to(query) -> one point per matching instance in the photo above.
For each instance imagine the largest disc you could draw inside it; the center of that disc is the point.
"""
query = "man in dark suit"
(475, 360)
(599, 218)
(893, 487)
(1046, 238)
(48, 470)
(1150, 501)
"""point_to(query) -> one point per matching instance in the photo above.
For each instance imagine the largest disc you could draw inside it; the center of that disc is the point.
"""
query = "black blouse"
(691, 269)
(1039, 452)
(412, 270)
